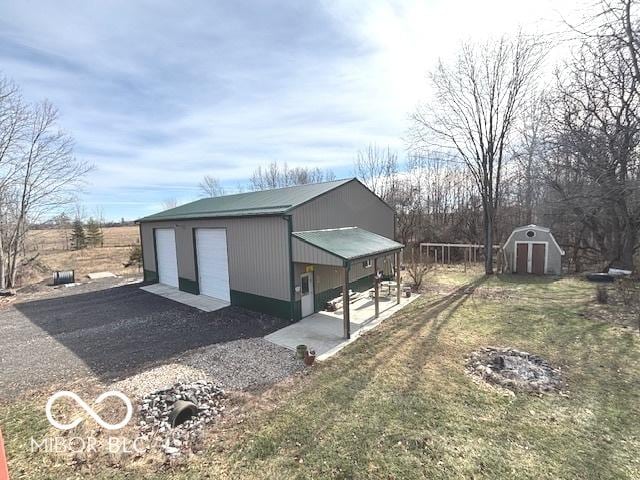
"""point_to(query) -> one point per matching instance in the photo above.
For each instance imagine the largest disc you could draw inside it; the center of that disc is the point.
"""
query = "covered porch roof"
(340, 246)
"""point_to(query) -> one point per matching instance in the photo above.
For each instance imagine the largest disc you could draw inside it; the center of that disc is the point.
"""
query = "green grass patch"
(398, 404)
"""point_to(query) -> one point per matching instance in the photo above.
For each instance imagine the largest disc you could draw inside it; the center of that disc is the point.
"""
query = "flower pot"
(301, 351)
(310, 357)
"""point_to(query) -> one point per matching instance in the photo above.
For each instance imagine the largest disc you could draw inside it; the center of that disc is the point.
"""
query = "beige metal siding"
(327, 277)
(350, 205)
(258, 251)
(303, 252)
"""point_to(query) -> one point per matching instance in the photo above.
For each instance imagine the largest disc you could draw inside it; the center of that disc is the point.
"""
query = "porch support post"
(376, 287)
(398, 277)
(345, 304)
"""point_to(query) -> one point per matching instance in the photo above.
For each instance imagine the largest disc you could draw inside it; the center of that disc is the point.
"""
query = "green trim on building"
(294, 314)
(272, 306)
(188, 286)
(297, 310)
(360, 285)
(195, 283)
(150, 276)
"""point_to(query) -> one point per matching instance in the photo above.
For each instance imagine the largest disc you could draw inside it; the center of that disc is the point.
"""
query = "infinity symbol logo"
(89, 410)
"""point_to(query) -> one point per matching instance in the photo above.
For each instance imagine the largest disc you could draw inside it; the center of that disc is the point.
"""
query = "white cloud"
(159, 93)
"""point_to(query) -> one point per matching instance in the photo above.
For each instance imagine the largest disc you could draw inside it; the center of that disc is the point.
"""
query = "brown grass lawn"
(51, 247)
(58, 239)
(397, 404)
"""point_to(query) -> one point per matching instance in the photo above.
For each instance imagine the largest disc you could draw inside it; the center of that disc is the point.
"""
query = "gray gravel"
(158, 378)
(114, 333)
(242, 364)
(235, 365)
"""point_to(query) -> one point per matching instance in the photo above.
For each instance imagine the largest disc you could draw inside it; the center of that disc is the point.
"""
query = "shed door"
(522, 255)
(166, 256)
(213, 264)
(537, 258)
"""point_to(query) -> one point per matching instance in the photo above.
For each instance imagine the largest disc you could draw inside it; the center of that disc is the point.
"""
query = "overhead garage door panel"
(166, 256)
(213, 264)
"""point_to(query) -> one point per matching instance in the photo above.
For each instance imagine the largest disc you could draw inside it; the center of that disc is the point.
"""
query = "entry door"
(213, 264)
(537, 258)
(522, 257)
(166, 256)
(306, 285)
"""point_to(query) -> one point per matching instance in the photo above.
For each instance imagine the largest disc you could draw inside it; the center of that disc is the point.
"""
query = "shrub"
(135, 256)
(416, 269)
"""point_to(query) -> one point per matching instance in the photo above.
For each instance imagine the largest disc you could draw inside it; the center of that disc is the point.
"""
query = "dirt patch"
(515, 370)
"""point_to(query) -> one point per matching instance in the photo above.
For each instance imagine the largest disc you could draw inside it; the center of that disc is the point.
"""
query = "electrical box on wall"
(308, 268)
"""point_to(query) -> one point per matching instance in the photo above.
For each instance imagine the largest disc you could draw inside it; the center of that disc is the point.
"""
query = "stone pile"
(514, 369)
(155, 409)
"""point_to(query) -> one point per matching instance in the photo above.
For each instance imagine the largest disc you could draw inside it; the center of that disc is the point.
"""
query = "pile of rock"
(514, 369)
(155, 415)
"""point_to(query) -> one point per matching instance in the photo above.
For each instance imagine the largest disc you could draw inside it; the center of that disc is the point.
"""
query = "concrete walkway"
(201, 302)
(322, 331)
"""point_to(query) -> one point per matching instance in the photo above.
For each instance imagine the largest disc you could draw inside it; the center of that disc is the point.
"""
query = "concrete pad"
(97, 275)
(322, 331)
(201, 302)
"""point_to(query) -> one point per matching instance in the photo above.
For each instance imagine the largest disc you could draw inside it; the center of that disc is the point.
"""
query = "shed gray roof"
(349, 243)
(265, 202)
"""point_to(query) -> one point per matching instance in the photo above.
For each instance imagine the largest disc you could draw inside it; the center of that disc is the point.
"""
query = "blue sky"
(158, 94)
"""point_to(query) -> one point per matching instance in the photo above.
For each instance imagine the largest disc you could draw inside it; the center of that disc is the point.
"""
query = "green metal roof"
(265, 202)
(348, 243)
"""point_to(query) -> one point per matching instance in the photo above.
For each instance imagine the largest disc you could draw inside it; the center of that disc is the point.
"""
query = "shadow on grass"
(514, 279)
(344, 380)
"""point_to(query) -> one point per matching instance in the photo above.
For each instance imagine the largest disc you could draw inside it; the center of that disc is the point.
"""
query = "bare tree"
(169, 203)
(377, 168)
(276, 176)
(477, 100)
(13, 118)
(597, 119)
(38, 173)
(211, 187)
(528, 152)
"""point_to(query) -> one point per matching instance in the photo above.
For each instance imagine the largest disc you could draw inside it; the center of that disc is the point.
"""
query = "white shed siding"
(542, 235)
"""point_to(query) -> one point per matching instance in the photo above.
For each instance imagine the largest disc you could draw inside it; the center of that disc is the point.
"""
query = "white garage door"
(166, 255)
(213, 266)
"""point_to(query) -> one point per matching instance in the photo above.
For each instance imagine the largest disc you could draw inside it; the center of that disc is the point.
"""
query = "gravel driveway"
(122, 331)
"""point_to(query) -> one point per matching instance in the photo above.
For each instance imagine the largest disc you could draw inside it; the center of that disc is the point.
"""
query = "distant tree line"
(273, 175)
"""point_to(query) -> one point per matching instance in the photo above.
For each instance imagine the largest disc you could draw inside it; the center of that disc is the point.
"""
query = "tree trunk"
(3, 278)
(629, 241)
(488, 240)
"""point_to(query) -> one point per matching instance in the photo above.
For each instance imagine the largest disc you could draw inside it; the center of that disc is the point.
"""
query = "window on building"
(305, 285)
(366, 264)
(531, 233)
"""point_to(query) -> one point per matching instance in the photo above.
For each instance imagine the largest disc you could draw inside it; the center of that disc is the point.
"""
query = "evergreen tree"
(78, 237)
(135, 256)
(94, 233)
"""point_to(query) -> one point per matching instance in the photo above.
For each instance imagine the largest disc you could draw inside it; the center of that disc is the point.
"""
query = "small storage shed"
(532, 249)
(284, 251)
